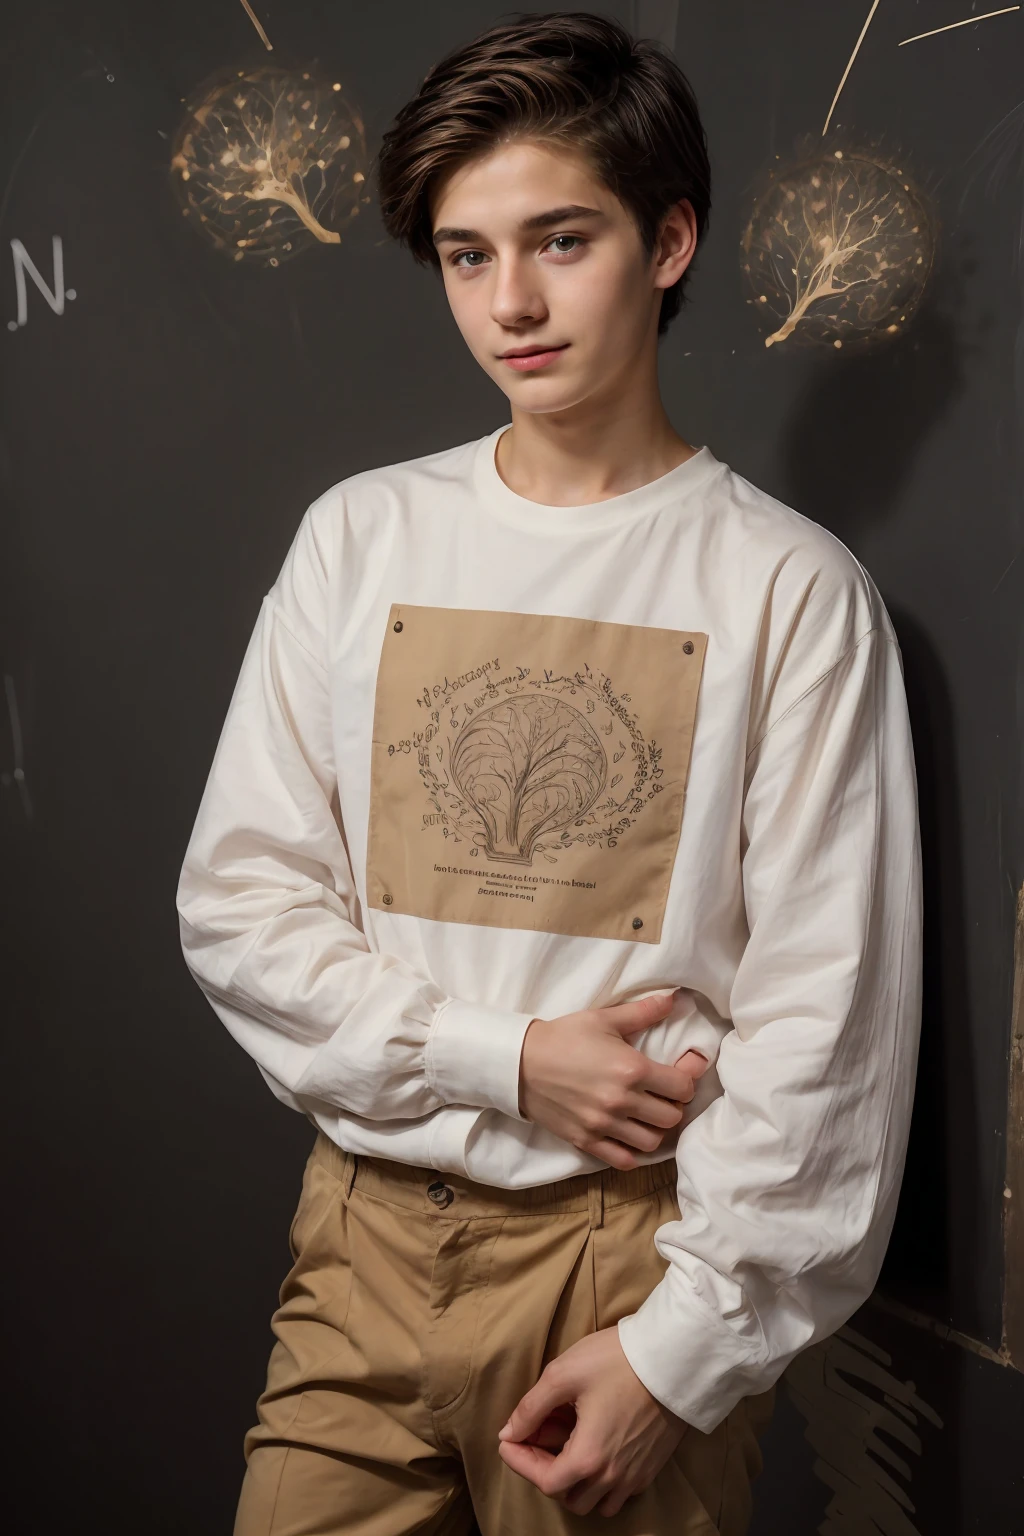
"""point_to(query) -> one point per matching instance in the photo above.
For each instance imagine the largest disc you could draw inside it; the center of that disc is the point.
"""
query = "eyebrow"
(536, 221)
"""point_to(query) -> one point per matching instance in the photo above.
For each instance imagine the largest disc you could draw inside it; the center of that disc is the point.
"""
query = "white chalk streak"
(967, 22)
(849, 66)
(255, 21)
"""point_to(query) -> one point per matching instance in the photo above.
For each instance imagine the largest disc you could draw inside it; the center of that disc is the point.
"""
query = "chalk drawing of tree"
(527, 766)
(838, 252)
(268, 163)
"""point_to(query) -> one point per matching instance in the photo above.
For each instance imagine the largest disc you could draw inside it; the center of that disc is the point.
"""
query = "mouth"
(526, 359)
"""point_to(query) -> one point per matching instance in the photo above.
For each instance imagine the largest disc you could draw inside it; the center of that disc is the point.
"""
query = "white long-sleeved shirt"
(345, 897)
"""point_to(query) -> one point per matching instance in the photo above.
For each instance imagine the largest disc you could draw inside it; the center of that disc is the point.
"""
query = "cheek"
(606, 304)
(468, 304)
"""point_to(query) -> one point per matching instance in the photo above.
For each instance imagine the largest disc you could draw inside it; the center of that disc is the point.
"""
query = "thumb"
(535, 1406)
(692, 1062)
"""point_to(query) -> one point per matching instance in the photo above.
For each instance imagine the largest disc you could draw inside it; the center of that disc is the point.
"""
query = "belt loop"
(349, 1174)
(595, 1198)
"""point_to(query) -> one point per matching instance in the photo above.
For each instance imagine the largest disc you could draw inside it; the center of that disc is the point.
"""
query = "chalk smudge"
(857, 1414)
(17, 776)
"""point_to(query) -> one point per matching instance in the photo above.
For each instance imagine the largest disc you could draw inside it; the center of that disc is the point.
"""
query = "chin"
(543, 397)
(548, 407)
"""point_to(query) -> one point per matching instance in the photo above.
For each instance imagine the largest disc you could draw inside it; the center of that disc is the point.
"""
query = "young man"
(567, 791)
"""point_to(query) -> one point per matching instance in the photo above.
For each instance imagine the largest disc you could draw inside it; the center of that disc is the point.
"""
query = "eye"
(457, 261)
(561, 248)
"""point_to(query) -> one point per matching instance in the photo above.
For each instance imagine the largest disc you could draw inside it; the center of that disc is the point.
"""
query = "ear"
(676, 243)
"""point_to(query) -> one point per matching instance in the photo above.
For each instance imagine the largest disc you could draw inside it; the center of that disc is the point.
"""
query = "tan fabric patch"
(528, 770)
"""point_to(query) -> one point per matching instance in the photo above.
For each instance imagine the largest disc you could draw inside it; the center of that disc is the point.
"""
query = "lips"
(526, 359)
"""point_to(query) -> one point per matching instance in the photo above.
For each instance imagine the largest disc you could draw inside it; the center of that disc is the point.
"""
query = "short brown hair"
(571, 78)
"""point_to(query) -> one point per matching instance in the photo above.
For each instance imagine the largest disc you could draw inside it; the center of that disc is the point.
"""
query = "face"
(547, 276)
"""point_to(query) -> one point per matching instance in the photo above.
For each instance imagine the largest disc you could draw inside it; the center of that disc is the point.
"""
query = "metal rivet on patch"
(638, 922)
(688, 647)
(398, 626)
(387, 900)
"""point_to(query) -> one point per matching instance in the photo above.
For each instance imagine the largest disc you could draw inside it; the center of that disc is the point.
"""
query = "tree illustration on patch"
(527, 766)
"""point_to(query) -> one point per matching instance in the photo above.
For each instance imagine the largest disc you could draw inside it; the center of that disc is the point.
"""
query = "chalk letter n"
(23, 263)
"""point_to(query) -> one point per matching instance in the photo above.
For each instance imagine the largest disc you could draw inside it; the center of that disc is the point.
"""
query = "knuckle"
(552, 1375)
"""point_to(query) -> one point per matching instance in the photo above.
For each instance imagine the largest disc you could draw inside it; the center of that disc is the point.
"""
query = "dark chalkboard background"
(160, 441)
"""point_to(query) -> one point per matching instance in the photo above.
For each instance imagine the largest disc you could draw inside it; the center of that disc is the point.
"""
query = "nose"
(515, 298)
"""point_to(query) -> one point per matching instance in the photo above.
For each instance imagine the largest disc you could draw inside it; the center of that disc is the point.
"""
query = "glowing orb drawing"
(527, 766)
(838, 252)
(269, 162)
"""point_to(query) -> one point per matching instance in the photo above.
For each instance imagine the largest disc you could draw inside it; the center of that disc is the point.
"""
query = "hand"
(621, 1438)
(578, 1077)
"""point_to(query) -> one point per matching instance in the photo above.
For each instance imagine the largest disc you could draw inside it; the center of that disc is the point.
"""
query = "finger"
(693, 1063)
(571, 1473)
(530, 1461)
(652, 1109)
(628, 1018)
(636, 1133)
(549, 1437)
(587, 1496)
(540, 1467)
(579, 1498)
(669, 1082)
(554, 1431)
(612, 1152)
(545, 1397)
(613, 1502)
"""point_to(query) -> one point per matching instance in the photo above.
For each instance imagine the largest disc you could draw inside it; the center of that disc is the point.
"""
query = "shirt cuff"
(688, 1359)
(472, 1053)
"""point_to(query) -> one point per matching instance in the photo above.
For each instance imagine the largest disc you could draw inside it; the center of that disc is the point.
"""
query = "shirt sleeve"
(788, 1181)
(268, 908)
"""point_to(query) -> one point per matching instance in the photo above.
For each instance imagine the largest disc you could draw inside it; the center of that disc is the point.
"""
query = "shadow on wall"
(923, 1267)
(847, 454)
(861, 421)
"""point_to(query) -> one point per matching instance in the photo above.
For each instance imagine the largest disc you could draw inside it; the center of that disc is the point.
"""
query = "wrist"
(472, 1055)
(522, 1062)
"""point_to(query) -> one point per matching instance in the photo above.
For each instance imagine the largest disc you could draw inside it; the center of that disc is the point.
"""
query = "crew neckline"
(541, 517)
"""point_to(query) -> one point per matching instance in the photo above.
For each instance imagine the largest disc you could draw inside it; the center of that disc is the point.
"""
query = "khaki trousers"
(419, 1309)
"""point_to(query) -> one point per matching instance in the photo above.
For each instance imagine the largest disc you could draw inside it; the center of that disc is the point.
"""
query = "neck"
(598, 449)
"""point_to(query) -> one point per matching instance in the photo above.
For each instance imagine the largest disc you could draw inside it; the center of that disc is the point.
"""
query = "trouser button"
(440, 1193)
